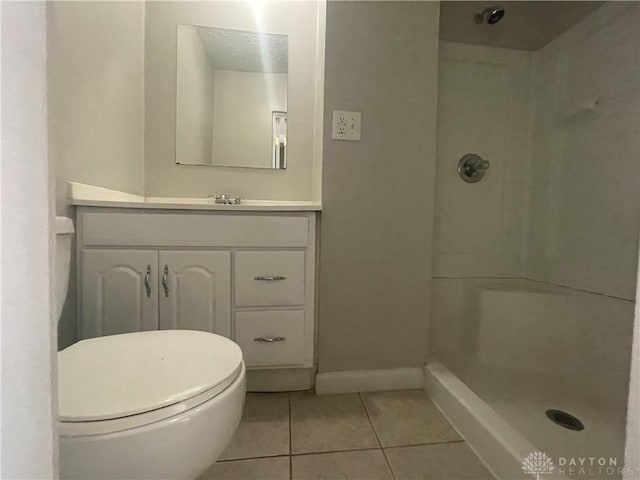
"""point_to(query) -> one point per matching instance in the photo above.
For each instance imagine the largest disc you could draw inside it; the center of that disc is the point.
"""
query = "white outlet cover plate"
(347, 125)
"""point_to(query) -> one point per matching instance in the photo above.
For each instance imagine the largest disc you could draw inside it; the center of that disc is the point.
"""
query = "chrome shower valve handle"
(472, 167)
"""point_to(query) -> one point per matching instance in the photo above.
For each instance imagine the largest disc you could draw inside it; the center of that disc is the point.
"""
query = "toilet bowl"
(155, 404)
(161, 404)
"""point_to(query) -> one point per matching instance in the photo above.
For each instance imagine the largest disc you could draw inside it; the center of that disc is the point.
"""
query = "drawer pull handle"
(269, 339)
(270, 278)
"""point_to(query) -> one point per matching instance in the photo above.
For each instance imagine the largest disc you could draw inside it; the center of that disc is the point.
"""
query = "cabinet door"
(195, 291)
(119, 292)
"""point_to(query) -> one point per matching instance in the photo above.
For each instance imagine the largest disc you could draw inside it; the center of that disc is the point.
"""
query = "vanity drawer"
(271, 338)
(269, 278)
(199, 229)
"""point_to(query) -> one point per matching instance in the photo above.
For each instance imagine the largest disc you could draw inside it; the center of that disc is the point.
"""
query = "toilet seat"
(117, 382)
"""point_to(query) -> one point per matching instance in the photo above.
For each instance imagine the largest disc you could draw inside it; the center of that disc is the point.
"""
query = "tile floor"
(397, 435)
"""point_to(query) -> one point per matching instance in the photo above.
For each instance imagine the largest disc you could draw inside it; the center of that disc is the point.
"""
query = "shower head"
(491, 15)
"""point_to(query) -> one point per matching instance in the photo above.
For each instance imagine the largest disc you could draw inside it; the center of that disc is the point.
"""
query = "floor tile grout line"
(266, 455)
(375, 432)
(362, 449)
(423, 444)
(359, 449)
(290, 441)
(280, 455)
(386, 459)
(366, 412)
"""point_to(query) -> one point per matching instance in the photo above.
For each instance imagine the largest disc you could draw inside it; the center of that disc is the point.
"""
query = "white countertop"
(92, 196)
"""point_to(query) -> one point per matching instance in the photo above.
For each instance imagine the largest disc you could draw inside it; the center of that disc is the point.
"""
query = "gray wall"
(96, 106)
(96, 95)
(378, 194)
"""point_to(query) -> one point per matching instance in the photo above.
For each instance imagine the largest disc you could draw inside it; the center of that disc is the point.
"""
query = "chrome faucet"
(228, 199)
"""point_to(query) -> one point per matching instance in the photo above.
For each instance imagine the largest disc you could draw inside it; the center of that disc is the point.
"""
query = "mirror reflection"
(231, 105)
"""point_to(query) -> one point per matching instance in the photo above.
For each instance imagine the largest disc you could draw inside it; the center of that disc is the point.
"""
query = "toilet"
(158, 404)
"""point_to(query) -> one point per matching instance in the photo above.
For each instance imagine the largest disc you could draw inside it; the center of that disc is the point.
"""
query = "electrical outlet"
(347, 125)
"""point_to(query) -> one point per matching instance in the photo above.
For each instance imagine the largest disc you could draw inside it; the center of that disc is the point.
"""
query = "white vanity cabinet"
(127, 291)
(195, 290)
(249, 276)
(118, 292)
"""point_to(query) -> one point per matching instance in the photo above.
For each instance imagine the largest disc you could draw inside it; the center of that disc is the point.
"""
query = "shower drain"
(565, 419)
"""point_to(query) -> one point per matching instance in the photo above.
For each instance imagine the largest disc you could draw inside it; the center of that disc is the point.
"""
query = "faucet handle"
(238, 199)
(483, 164)
(219, 199)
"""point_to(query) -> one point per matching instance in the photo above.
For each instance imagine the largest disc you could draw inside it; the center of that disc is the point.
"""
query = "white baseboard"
(369, 380)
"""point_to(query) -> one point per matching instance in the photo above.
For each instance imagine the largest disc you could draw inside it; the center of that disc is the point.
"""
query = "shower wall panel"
(483, 108)
(585, 170)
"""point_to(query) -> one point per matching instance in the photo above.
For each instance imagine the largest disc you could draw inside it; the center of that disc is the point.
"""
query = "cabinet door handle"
(270, 278)
(147, 279)
(269, 339)
(165, 280)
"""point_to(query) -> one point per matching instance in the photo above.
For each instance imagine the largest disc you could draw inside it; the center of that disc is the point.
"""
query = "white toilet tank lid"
(64, 226)
(120, 375)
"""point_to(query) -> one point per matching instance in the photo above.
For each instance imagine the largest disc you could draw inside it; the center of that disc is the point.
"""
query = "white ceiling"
(526, 25)
(245, 51)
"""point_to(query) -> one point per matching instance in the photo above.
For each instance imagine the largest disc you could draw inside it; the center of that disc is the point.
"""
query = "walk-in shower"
(535, 265)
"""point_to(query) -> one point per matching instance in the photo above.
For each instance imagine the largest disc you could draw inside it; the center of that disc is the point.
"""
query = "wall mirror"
(231, 100)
